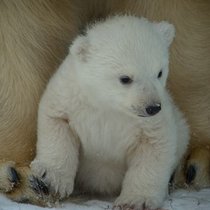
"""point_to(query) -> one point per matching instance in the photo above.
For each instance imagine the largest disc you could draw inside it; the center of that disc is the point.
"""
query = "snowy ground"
(180, 200)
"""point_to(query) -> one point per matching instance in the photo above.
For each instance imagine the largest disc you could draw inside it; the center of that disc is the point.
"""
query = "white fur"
(88, 123)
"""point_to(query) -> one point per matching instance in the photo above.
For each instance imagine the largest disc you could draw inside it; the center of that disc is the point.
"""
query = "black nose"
(153, 109)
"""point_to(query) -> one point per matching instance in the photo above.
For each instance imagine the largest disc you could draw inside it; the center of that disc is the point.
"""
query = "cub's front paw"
(137, 202)
(58, 183)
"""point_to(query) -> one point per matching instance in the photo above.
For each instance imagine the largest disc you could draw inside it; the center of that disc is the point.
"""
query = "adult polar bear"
(106, 113)
(34, 37)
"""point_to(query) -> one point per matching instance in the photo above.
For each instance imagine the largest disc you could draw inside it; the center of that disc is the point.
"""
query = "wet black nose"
(153, 109)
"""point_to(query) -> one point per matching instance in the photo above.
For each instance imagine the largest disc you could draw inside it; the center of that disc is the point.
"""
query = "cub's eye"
(125, 80)
(160, 74)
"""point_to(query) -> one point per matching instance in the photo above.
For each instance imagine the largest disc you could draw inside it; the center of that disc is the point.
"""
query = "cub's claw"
(39, 186)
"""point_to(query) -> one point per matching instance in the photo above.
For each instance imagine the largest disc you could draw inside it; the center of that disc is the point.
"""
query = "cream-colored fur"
(32, 46)
(91, 125)
(34, 38)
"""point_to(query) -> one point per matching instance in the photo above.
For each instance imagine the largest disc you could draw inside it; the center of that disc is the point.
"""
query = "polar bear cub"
(106, 123)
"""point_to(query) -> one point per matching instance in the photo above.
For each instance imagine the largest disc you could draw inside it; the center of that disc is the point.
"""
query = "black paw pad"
(190, 174)
(39, 186)
(13, 176)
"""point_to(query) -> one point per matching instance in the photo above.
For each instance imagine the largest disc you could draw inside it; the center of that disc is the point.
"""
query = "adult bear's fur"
(34, 36)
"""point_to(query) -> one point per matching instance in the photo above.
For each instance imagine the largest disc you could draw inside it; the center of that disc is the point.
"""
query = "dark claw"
(44, 175)
(172, 179)
(13, 176)
(39, 186)
(190, 174)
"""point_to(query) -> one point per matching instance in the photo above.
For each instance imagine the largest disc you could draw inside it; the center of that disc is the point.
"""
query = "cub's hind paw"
(137, 202)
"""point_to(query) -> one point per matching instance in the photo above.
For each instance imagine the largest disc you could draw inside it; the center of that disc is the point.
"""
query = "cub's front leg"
(145, 185)
(56, 160)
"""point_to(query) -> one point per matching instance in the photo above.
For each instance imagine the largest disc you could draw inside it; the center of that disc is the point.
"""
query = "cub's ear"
(166, 30)
(80, 48)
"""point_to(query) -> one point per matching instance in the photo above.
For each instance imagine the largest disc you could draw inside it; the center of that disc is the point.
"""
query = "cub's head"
(122, 64)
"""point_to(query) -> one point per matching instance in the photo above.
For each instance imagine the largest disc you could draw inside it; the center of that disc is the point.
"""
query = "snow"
(179, 200)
